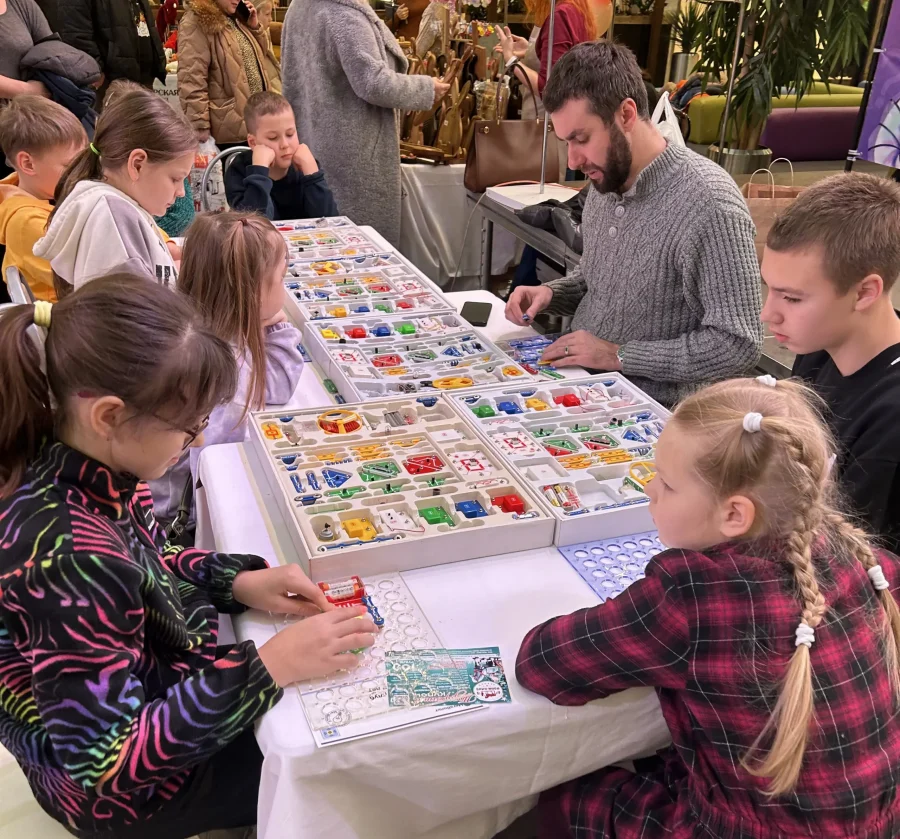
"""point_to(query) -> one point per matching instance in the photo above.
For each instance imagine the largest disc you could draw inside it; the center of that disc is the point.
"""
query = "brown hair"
(784, 468)
(34, 124)
(539, 11)
(135, 118)
(854, 221)
(263, 104)
(118, 335)
(602, 72)
(227, 258)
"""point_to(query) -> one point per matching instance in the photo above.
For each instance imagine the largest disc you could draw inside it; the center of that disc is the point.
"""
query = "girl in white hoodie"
(107, 197)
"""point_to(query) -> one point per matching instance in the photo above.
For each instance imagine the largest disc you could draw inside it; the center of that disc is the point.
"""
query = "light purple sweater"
(283, 367)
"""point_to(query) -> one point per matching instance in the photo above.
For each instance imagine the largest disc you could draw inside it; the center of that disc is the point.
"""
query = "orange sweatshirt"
(22, 221)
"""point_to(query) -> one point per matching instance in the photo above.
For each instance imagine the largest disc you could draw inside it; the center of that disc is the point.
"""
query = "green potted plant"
(686, 28)
(784, 46)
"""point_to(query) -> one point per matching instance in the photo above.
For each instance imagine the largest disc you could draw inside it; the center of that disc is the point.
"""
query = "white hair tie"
(805, 635)
(876, 575)
(767, 380)
(752, 422)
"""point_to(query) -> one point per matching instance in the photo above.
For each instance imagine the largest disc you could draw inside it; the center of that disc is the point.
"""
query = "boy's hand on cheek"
(263, 156)
(304, 160)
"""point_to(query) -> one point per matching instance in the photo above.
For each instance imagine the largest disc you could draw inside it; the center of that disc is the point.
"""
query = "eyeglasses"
(193, 433)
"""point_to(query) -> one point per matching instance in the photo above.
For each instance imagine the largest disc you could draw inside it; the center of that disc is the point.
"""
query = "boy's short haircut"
(263, 104)
(34, 124)
(853, 219)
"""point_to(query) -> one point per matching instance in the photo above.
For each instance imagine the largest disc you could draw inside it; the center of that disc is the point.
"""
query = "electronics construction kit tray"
(394, 356)
(391, 485)
(585, 445)
(345, 271)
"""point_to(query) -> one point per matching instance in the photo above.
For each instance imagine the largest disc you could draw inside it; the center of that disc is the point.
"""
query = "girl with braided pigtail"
(768, 629)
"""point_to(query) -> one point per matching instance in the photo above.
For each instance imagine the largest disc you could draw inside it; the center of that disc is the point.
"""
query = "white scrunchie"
(805, 635)
(876, 575)
(752, 422)
(769, 381)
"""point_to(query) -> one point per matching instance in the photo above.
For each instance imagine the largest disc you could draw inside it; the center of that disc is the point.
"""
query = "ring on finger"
(566, 349)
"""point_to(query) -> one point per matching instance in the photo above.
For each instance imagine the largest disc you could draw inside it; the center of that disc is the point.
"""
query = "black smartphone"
(477, 314)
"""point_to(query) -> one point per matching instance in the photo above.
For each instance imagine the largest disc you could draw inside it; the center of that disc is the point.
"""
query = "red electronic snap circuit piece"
(510, 503)
(568, 400)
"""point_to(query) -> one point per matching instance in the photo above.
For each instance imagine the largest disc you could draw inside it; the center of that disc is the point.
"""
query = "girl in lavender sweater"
(233, 268)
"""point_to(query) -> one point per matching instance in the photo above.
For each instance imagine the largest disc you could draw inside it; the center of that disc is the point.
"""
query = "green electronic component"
(630, 482)
(383, 307)
(568, 445)
(484, 411)
(390, 489)
(436, 515)
(383, 470)
(542, 432)
(553, 374)
(329, 385)
(349, 492)
(406, 329)
(436, 482)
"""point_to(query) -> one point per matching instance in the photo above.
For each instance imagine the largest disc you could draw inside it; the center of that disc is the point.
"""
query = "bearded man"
(668, 289)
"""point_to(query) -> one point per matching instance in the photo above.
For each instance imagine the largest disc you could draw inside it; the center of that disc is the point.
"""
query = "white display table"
(456, 778)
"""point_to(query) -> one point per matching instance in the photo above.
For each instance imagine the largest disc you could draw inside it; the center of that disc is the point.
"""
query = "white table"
(456, 778)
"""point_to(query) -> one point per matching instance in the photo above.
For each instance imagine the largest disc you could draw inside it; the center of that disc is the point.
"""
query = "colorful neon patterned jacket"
(110, 690)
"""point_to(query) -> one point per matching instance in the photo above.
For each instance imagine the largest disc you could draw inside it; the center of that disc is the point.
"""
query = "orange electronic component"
(339, 421)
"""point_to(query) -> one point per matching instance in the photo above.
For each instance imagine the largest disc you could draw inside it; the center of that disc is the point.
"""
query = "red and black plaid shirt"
(713, 633)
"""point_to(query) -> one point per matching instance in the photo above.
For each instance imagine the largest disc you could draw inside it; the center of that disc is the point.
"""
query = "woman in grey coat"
(345, 76)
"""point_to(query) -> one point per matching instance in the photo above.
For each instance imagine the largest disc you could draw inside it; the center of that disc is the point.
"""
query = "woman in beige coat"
(224, 57)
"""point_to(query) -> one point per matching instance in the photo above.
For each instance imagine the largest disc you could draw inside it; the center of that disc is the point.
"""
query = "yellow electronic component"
(330, 335)
(576, 461)
(407, 444)
(326, 268)
(453, 382)
(511, 372)
(613, 456)
(338, 312)
(361, 529)
(324, 457)
(643, 471)
(374, 452)
(271, 430)
(536, 404)
(393, 371)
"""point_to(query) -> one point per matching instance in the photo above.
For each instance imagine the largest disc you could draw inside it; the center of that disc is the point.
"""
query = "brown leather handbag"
(509, 150)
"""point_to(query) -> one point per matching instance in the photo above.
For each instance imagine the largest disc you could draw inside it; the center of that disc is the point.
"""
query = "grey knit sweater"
(670, 273)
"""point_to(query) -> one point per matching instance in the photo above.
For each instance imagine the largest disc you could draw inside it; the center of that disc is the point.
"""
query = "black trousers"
(221, 795)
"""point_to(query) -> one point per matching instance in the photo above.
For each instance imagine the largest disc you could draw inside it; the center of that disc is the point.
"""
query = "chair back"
(19, 290)
(223, 157)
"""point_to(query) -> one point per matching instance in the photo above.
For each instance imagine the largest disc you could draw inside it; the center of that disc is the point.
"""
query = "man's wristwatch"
(620, 354)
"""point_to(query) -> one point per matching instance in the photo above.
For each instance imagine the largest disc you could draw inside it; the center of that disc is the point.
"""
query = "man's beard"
(618, 163)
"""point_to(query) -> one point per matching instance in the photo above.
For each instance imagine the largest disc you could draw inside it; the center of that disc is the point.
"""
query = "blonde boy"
(39, 139)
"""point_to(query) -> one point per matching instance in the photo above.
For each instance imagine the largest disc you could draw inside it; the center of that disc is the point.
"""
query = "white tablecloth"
(456, 778)
(434, 215)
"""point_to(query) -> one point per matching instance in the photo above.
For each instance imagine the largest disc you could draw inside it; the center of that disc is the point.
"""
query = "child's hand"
(284, 589)
(263, 156)
(281, 317)
(318, 645)
(304, 160)
(174, 250)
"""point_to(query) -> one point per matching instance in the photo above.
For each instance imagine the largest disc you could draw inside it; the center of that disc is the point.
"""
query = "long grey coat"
(344, 74)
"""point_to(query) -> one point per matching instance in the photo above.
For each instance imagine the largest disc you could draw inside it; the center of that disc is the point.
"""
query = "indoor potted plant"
(783, 46)
(686, 25)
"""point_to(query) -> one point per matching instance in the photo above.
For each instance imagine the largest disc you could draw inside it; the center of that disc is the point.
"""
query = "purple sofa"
(811, 133)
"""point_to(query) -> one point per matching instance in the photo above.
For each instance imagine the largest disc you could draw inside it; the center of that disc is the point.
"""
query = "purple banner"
(879, 141)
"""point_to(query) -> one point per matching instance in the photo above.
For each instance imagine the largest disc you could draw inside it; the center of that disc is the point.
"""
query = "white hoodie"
(99, 230)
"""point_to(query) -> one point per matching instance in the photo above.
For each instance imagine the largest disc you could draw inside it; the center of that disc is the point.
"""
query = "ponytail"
(84, 167)
(26, 418)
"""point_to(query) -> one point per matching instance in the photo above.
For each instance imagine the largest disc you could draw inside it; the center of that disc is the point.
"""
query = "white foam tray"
(532, 431)
(374, 358)
(432, 428)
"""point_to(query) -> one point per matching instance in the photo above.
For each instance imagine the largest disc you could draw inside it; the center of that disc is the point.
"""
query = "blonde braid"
(795, 707)
(857, 544)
